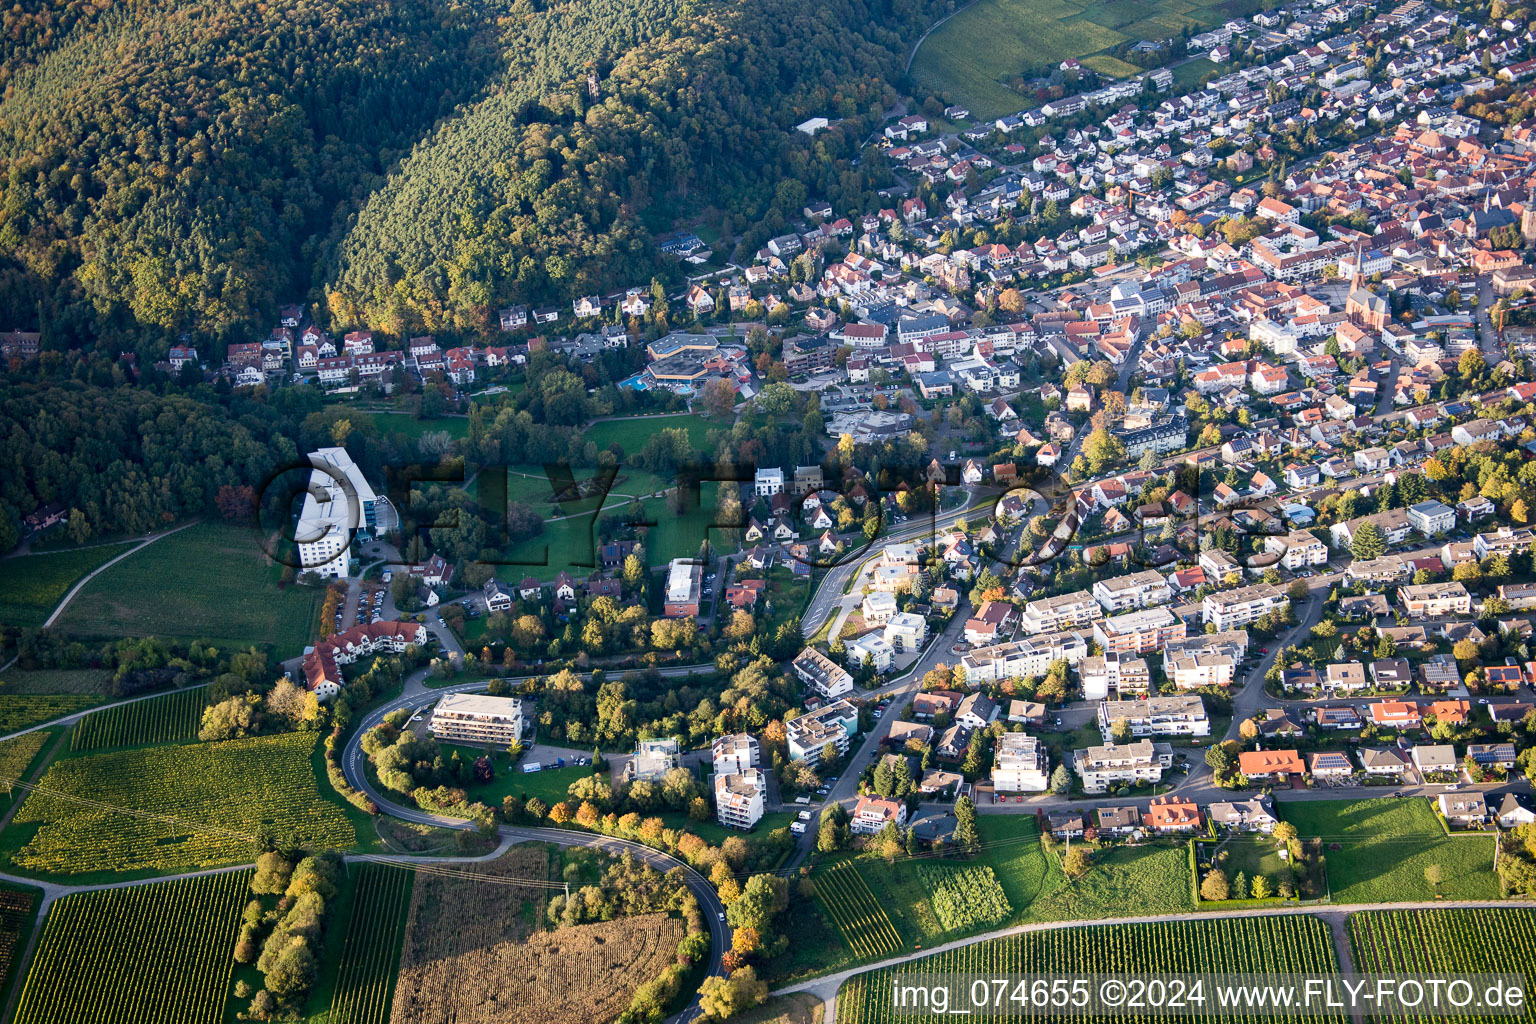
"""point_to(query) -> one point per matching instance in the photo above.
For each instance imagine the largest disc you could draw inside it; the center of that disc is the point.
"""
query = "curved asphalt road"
(703, 891)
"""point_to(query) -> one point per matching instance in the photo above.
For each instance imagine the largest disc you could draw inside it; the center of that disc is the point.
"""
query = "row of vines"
(1249, 945)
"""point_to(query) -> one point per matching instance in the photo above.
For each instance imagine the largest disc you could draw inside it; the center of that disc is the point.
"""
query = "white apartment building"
(1053, 614)
(812, 731)
(1020, 764)
(906, 631)
(1182, 715)
(1229, 609)
(1432, 517)
(822, 674)
(1031, 656)
(1434, 599)
(1200, 668)
(870, 649)
(1297, 549)
(1138, 590)
(1113, 670)
(1101, 767)
(768, 482)
(1139, 632)
(478, 718)
(739, 798)
(338, 503)
(878, 607)
(734, 753)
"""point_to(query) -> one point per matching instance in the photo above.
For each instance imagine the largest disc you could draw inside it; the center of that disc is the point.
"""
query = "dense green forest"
(177, 164)
(187, 165)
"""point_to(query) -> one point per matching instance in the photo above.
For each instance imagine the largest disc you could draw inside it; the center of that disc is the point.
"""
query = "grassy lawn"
(1188, 75)
(407, 424)
(1377, 850)
(570, 543)
(632, 433)
(210, 582)
(31, 586)
(972, 56)
(1123, 881)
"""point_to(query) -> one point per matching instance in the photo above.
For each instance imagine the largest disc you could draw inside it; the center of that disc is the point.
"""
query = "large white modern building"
(478, 718)
(811, 732)
(338, 502)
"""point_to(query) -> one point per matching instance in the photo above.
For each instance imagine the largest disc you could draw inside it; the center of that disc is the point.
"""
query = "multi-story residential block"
(652, 760)
(1139, 632)
(870, 650)
(822, 674)
(1020, 764)
(1112, 670)
(1138, 590)
(1065, 611)
(322, 663)
(1505, 540)
(479, 719)
(814, 730)
(1031, 656)
(1193, 669)
(1229, 609)
(1100, 767)
(739, 798)
(1297, 549)
(735, 752)
(906, 632)
(1430, 600)
(1432, 517)
(1181, 715)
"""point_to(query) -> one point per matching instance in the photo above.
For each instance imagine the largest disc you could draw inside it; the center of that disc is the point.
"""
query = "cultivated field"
(17, 907)
(1377, 850)
(55, 680)
(210, 582)
(851, 905)
(24, 710)
(185, 806)
(171, 718)
(965, 897)
(1438, 942)
(474, 954)
(31, 586)
(1256, 944)
(973, 56)
(365, 980)
(145, 953)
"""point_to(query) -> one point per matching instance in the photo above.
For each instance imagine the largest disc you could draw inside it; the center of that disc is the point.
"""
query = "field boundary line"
(933, 28)
(146, 542)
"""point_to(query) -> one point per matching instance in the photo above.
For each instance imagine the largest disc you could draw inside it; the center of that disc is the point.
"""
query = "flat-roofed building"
(1139, 632)
(1431, 600)
(478, 718)
(1178, 715)
(1229, 609)
(1020, 764)
(1031, 656)
(739, 798)
(1116, 764)
(735, 752)
(1065, 611)
(685, 579)
(811, 732)
(1138, 590)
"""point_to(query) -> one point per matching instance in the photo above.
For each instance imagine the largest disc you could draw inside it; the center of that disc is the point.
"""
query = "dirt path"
(146, 542)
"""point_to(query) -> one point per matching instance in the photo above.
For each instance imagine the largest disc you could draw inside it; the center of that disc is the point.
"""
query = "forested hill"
(517, 200)
(176, 165)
